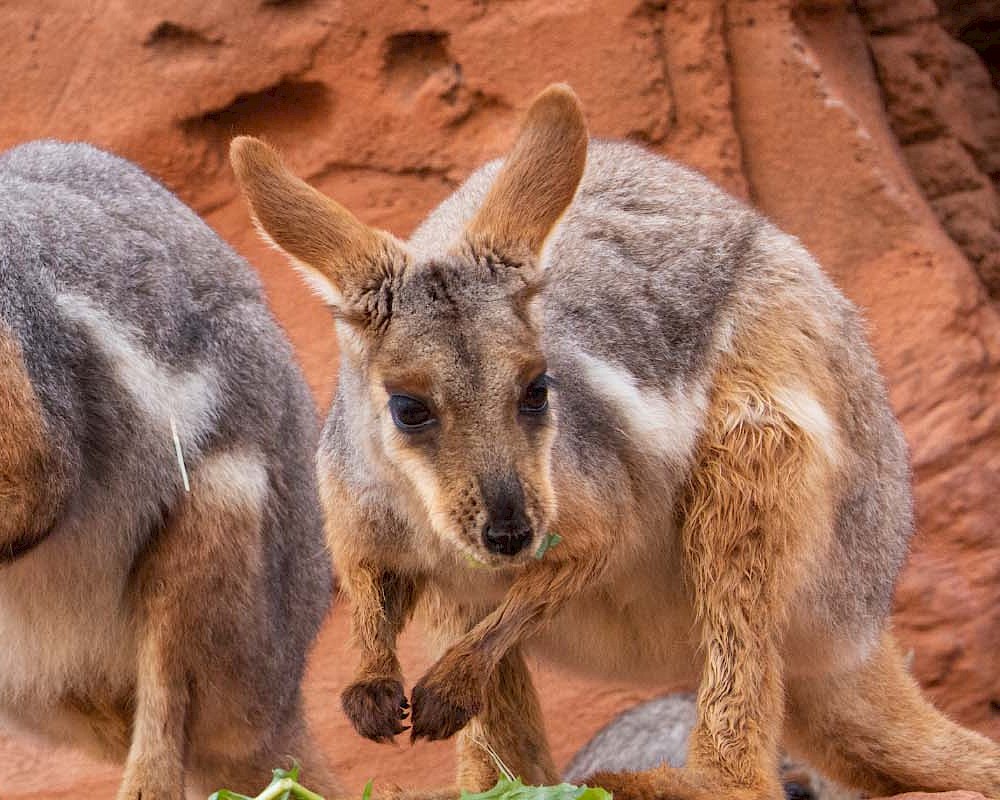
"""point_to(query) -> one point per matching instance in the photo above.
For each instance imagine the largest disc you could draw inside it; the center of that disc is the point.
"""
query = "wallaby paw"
(441, 708)
(376, 708)
(135, 790)
(661, 784)
(398, 793)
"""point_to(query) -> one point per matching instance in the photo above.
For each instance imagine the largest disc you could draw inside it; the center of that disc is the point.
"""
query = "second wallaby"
(591, 341)
(163, 571)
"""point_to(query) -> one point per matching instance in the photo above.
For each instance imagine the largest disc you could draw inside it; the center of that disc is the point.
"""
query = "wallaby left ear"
(336, 252)
(538, 179)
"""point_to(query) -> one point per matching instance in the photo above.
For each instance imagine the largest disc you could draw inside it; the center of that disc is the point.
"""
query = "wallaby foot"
(874, 729)
(670, 783)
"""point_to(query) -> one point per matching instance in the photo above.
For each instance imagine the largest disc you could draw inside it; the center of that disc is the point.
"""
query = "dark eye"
(536, 396)
(408, 413)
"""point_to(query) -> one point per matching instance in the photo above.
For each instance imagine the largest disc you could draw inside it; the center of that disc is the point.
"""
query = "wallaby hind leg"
(874, 729)
(203, 677)
(511, 724)
(249, 773)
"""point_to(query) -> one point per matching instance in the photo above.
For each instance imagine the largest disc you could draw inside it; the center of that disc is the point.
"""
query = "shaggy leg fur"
(510, 723)
(755, 502)
(872, 728)
(381, 605)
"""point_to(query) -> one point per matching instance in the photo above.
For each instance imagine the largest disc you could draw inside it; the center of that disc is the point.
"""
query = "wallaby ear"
(338, 255)
(538, 179)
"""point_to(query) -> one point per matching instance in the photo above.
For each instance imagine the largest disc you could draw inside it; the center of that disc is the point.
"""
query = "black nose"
(506, 540)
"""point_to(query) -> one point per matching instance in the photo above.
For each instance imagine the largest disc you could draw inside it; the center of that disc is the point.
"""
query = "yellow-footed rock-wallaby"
(592, 341)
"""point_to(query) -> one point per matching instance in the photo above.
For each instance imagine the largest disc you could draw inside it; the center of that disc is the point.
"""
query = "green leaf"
(293, 773)
(507, 789)
(367, 793)
(225, 794)
(549, 541)
(278, 775)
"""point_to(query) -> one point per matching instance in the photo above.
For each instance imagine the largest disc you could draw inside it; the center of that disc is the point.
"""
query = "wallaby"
(656, 732)
(146, 623)
(591, 341)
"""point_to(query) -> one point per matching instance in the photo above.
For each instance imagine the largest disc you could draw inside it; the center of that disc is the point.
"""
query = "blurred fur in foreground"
(163, 628)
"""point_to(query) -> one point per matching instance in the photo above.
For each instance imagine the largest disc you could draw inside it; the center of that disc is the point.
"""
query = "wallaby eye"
(535, 399)
(409, 414)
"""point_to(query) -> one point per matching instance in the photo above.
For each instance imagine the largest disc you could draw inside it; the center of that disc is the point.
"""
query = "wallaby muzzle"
(507, 530)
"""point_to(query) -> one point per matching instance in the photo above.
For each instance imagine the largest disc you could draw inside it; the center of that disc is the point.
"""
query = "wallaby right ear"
(337, 254)
(539, 177)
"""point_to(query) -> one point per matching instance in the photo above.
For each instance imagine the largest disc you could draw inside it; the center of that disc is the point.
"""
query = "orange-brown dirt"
(869, 129)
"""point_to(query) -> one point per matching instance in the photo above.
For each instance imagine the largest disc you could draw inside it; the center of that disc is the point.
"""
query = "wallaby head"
(447, 344)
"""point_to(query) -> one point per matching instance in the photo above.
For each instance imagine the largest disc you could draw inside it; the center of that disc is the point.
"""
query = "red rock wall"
(868, 129)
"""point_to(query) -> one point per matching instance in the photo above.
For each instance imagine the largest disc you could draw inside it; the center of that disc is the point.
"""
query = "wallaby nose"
(507, 530)
(506, 539)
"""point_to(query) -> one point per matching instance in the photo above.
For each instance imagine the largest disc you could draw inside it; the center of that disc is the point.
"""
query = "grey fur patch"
(642, 738)
(107, 279)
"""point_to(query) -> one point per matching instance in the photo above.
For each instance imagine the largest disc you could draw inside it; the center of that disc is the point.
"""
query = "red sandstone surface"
(868, 129)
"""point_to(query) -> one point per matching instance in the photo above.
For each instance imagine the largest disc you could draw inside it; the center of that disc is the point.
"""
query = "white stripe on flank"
(188, 399)
(665, 427)
(806, 411)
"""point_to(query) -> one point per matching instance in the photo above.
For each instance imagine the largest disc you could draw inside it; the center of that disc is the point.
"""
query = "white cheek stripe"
(665, 427)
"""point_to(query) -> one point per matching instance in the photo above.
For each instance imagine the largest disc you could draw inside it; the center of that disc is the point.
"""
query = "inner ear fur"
(538, 179)
(321, 236)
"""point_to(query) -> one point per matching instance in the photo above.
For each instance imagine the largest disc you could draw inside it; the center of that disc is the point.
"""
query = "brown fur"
(212, 526)
(520, 211)
(106, 720)
(26, 459)
(757, 503)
